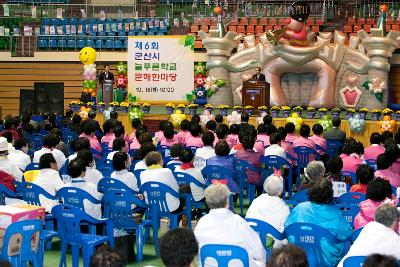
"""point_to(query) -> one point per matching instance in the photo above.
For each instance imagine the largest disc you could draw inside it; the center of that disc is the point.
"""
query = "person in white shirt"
(222, 226)
(49, 143)
(76, 170)
(141, 154)
(156, 173)
(19, 156)
(379, 236)
(9, 137)
(204, 153)
(6, 165)
(187, 167)
(120, 164)
(49, 179)
(78, 145)
(269, 207)
(118, 146)
(92, 175)
(275, 148)
(175, 152)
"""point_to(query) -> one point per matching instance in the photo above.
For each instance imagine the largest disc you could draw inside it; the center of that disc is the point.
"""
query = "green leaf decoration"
(189, 97)
(132, 98)
(220, 82)
(189, 41)
(379, 96)
(366, 85)
(209, 93)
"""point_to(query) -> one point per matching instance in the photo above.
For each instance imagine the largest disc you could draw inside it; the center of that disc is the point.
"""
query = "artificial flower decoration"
(177, 117)
(261, 118)
(206, 116)
(234, 118)
(200, 68)
(200, 80)
(275, 108)
(356, 124)
(387, 124)
(121, 81)
(121, 68)
(363, 110)
(375, 86)
(387, 111)
(296, 120)
(325, 122)
(135, 113)
(310, 109)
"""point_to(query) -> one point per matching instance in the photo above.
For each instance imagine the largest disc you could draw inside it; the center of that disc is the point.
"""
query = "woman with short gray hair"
(269, 207)
(314, 172)
(222, 226)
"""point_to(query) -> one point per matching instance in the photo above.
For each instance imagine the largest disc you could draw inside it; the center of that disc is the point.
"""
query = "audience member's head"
(392, 151)
(248, 142)
(176, 150)
(118, 144)
(378, 190)
(359, 149)
(186, 156)
(82, 143)
(89, 128)
(222, 131)
(120, 161)
(386, 135)
(169, 132)
(365, 174)
(270, 129)
(76, 168)
(273, 186)
(108, 126)
(76, 119)
(140, 131)
(178, 248)
(21, 144)
(321, 192)
(106, 256)
(305, 131)
(336, 122)
(375, 139)
(275, 139)
(153, 158)
(261, 128)
(211, 125)
(383, 162)
(219, 118)
(388, 216)
(161, 125)
(317, 129)
(86, 156)
(113, 115)
(9, 136)
(145, 148)
(68, 113)
(92, 114)
(315, 171)
(135, 123)
(195, 130)
(50, 141)
(195, 119)
(288, 256)
(234, 129)
(208, 138)
(119, 131)
(378, 260)
(47, 161)
(244, 117)
(282, 132)
(185, 125)
(222, 148)
(290, 127)
(267, 120)
(334, 165)
(217, 196)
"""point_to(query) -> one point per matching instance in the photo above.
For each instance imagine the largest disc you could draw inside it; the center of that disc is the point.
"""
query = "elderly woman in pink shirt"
(318, 139)
(169, 137)
(195, 138)
(354, 160)
(383, 164)
(304, 141)
(89, 131)
(184, 134)
(290, 128)
(108, 127)
(372, 152)
(233, 138)
(136, 123)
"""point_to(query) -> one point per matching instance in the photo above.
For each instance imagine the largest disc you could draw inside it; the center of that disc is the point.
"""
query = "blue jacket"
(329, 218)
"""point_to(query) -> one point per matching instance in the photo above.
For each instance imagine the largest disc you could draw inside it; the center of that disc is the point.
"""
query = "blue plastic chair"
(371, 163)
(75, 197)
(349, 212)
(6, 192)
(355, 235)
(242, 167)
(26, 229)
(355, 261)
(300, 196)
(303, 158)
(352, 175)
(192, 148)
(211, 172)
(106, 184)
(69, 220)
(46, 237)
(36, 141)
(164, 150)
(309, 236)
(352, 198)
(263, 230)
(268, 163)
(172, 166)
(155, 194)
(334, 147)
(105, 167)
(117, 207)
(223, 254)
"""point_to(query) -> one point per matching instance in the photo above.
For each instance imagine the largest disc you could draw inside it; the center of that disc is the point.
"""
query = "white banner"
(160, 68)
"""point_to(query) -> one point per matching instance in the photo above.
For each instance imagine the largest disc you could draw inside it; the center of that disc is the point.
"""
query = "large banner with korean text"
(160, 68)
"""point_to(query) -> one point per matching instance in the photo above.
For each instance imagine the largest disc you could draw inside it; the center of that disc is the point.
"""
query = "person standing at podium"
(106, 81)
(259, 77)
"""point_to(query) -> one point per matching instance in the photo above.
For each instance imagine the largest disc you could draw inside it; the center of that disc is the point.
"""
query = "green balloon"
(121, 68)
(136, 113)
(86, 84)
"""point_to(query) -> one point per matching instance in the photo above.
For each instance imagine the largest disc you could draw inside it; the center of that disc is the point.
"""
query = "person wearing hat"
(7, 168)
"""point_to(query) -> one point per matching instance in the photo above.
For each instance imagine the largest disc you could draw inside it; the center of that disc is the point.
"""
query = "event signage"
(160, 68)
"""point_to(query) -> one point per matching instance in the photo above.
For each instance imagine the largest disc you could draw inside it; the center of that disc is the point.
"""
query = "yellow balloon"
(87, 55)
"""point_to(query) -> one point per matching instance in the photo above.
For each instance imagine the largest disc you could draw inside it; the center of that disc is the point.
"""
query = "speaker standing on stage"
(259, 76)
(106, 80)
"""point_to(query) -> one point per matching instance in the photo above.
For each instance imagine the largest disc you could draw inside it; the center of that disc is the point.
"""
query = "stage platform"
(158, 114)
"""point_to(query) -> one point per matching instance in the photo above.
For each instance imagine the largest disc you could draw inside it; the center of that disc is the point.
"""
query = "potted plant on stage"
(209, 107)
(193, 109)
(363, 113)
(238, 109)
(387, 112)
(350, 113)
(310, 112)
(146, 108)
(223, 110)
(298, 110)
(75, 106)
(124, 106)
(322, 112)
(263, 109)
(170, 108)
(181, 107)
(375, 114)
(335, 112)
(398, 115)
(101, 106)
(275, 111)
(249, 110)
(285, 111)
(114, 106)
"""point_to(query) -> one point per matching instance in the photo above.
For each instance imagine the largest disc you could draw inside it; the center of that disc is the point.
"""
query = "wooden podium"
(255, 93)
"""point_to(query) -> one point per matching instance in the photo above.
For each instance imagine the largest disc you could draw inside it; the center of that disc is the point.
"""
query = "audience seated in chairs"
(365, 174)
(135, 144)
(175, 153)
(233, 137)
(262, 134)
(195, 138)
(49, 179)
(159, 135)
(384, 171)
(221, 132)
(275, 148)
(211, 126)
(335, 133)
(378, 191)
(269, 207)
(92, 175)
(379, 236)
(318, 139)
(118, 145)
(119, 132)
(304, 141)
(121, 172)
(169, 137)
(372, 152)
(60, 145)
(75, 126)
(355, 150)
(76, 170)
(288, 256)
(141, 154)
(222, 226)
(184, 134)
(178, 248)
(19, 156)
(205, 152)
(89, 132)
(287, 146)
(135, 123)
(108, 127)
(319, 211)
(50, 141)
(81, 143)
(334, 166)
(392, 150)
(290, 129)
(313, 173)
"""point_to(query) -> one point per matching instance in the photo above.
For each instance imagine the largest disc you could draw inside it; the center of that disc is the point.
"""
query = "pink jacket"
(232, 140)
(264, 138)
(351, 163)
(169, 142)
(373, 152)
(367, 211)
(183, 136)
(318, 140)
(387, 174)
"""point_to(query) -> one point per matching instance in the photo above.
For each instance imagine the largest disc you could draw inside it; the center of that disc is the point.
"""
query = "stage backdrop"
(160, 68)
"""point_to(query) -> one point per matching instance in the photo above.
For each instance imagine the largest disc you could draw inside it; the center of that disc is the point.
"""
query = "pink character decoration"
(121, 81)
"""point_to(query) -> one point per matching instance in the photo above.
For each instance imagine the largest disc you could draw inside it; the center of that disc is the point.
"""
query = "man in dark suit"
(259, 76)
(107, 90)
(106, 75)
(335, 133)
